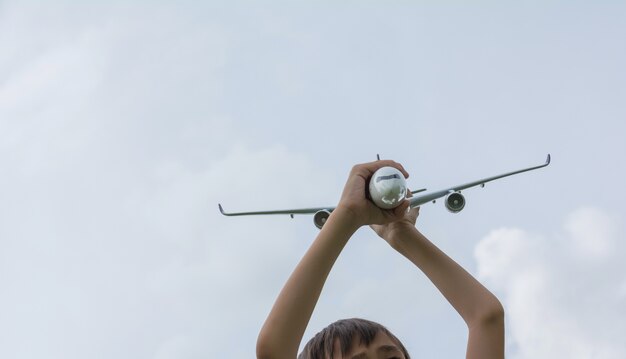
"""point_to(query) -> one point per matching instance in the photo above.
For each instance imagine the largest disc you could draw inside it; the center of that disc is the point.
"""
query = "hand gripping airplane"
(387, 189)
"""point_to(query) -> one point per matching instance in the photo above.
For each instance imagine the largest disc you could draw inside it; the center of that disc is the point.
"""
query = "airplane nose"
(387, 187)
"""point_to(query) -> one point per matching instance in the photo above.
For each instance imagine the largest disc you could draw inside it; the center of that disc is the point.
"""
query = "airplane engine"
(320, 217)
(455, 202)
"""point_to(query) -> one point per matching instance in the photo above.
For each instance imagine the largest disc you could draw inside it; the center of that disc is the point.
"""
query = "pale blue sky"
(123, 125)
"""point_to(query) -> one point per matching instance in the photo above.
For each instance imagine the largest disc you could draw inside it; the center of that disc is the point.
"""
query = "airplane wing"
(427, 197)
(414, 201)
(290, 212)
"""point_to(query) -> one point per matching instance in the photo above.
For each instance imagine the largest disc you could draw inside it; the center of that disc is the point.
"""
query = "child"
(357, 338)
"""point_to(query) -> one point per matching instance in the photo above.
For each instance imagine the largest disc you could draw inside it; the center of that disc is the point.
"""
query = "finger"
(401, 210)
(415, 210)
(413, 214)
(369, 168)
(409, 194)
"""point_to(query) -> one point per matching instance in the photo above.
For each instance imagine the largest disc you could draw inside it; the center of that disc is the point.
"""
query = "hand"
(354, 201)
(392, 232)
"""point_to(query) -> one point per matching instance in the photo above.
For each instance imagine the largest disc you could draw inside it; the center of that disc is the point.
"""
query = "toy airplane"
(387, 189)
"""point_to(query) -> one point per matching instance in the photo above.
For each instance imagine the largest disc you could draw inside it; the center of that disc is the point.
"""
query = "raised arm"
(479, 308)
(283, 329)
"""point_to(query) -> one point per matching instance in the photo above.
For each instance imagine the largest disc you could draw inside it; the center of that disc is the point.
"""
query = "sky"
(124, 124)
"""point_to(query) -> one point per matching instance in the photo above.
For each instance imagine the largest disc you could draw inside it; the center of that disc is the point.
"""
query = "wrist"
(346, 217)
(400, 234)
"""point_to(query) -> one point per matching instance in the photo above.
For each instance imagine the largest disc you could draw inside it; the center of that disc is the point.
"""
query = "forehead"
(381, 342)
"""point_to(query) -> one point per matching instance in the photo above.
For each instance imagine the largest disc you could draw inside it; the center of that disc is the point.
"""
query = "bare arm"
(479, 308)
(283, 329)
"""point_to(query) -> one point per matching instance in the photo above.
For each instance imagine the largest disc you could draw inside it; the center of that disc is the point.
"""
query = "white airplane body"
(388, 188)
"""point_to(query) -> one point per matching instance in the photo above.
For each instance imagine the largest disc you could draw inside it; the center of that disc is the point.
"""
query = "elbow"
(490, 316)
(495, 315)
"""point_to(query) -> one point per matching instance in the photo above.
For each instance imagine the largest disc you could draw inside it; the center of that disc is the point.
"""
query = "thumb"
(401, 210)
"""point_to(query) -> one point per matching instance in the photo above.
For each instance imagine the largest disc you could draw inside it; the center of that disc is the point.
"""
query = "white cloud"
(592, 233)
(561, 292)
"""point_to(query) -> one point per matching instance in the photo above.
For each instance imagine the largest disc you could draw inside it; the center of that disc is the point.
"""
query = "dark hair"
(321, 346)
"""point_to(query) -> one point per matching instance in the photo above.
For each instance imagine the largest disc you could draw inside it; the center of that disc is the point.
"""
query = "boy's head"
(349, 337)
